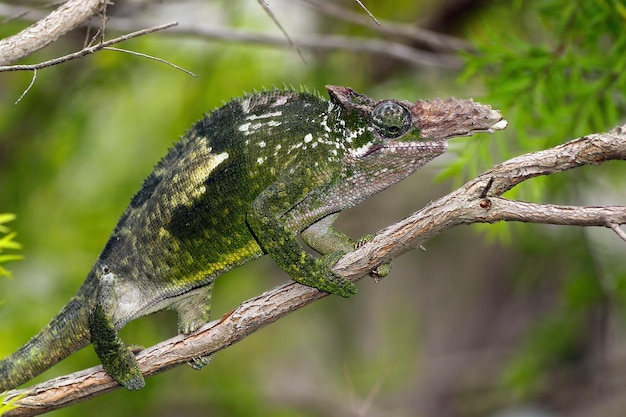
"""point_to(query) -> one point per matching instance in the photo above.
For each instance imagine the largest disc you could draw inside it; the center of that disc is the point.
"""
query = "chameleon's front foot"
(116, 358)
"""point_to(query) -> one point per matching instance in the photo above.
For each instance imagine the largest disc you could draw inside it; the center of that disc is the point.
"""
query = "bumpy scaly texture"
(246, 180)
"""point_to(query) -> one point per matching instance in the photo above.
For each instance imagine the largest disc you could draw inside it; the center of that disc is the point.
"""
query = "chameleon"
(265, 173)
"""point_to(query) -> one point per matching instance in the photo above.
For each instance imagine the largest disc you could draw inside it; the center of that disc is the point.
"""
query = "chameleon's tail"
(66, 333)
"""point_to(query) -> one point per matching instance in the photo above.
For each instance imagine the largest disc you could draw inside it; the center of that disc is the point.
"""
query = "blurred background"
(492, 320)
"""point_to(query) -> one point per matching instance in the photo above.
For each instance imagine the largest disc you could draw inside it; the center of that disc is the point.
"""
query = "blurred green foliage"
(77, 147)
(559, 70)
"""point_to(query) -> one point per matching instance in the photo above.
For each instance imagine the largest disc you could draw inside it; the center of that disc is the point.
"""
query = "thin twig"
(85, 51)
(434, 40)
(103, 25)
(618, 231)
(368, 12)
(32, 82)
(270, 13)
(110, 48)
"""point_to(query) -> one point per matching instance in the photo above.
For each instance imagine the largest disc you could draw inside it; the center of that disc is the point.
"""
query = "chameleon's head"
(425, 119)
(395, 125)
(387, 140)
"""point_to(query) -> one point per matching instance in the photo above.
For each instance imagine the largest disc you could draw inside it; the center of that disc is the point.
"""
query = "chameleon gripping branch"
(246, 180)
(479, 200)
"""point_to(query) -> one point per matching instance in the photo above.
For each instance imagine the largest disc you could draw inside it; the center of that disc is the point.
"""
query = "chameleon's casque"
(246, 180)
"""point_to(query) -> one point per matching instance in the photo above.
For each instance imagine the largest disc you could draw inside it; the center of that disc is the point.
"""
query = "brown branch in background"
(270, 13)
(365, 9)
(266, 8)
(444, 46)
(68, 16)
(395, 50)
(437, 41)
(478, 201)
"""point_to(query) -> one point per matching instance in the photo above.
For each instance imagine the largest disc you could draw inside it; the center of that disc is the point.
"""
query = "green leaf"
(5, 218)
(7, 242)
(8, 258)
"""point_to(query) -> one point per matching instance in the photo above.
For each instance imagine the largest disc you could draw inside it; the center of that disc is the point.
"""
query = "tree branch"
(478, 201)
(45, 31)
(446, 46)
(390, 49)
(436, 41)
(90, 49)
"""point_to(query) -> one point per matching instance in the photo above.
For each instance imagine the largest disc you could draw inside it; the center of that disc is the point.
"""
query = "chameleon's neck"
(66, 333)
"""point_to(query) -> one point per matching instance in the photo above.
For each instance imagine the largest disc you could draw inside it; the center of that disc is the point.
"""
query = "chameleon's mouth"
(405, 147)
(499, 125)
(428, 145)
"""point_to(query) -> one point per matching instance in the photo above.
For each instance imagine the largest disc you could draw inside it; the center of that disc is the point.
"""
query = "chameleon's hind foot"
(127, 373)
(117, 359)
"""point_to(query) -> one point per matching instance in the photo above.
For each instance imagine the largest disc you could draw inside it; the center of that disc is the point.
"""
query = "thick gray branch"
(478, 201)
(45, 31)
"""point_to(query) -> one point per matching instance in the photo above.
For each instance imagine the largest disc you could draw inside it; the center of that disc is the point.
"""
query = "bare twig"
(434, 40)
(469, 204)
(32, 82)
(109, 48)
(272, 16)
(365, 9)
(618, 231)
(85, 51)
(270, 13)
(389, 49)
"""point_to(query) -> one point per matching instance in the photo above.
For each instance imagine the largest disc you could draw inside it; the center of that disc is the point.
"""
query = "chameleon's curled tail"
(66, 333)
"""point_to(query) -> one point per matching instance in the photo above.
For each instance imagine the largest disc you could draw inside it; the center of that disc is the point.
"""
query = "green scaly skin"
(246, 180)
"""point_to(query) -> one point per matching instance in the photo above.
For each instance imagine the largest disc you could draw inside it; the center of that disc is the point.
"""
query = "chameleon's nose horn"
(442, 119)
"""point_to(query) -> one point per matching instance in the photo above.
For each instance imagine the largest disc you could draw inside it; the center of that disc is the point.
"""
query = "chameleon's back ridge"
(248, 179)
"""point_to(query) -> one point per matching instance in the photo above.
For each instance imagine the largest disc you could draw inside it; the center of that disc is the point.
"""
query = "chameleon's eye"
(390, 119)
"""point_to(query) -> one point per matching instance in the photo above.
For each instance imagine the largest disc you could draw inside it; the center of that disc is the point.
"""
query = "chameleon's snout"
(443, 119)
